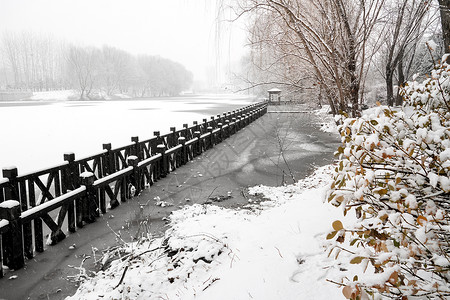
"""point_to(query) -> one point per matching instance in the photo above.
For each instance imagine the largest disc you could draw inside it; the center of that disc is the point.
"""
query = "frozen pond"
(36, 134)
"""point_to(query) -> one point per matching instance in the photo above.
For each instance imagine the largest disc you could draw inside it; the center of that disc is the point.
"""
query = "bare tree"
(405, 26)
(37, 62)
(115, 68)
(444, 8)
(327, 39)
(33, 61)
(83, 65)
(163, 77)
(275, 58)
(12, 50)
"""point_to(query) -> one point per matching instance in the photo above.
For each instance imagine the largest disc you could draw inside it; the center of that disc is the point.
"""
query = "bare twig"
(279, 252)
(123, 276)
(212, 281)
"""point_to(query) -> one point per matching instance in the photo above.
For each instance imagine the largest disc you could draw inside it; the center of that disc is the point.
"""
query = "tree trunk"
(332, 105)
(320, 96)
(351, 65)
(389, 86)
(401, 80)
(444, 8)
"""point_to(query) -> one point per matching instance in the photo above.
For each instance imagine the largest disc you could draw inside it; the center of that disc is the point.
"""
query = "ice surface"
(45, 130)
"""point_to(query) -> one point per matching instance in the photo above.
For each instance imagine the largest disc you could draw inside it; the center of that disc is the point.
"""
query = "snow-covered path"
(218, 253)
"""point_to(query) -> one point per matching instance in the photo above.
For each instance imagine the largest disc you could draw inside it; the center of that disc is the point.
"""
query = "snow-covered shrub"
(394, 173)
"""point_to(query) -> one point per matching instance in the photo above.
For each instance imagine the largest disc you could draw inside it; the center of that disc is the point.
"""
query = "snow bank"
(62, 95)
(328, 123)
(272, 251)
(65, 95)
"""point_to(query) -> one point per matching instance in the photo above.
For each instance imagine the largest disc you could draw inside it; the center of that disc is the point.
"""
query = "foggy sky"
(181, 30)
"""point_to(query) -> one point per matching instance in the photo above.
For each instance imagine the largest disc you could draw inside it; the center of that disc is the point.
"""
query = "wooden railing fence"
(80, 190)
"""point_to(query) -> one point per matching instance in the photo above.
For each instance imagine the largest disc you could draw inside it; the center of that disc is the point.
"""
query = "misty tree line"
(32, 62)
(341, 52)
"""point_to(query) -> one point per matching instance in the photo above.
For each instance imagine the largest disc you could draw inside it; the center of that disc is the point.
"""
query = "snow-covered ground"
(328, 124)
(35, 134)
(62, 95)
(65, 95)
(272, 250)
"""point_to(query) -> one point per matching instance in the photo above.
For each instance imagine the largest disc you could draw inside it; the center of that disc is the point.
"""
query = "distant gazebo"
(274, 95)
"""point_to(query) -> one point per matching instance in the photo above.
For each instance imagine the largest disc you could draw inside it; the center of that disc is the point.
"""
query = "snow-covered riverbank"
(272, 250)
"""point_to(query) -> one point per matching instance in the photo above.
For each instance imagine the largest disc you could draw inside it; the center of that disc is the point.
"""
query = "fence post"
(137, 148)
(205, 125)
(220, 125)
(109, 163)
(182, 142)
(163, 166)
(70, 180)
(196, 126)
(185, 130)
(70, 183)
(89, 205)
(234, 120)
(135, 179)
(227, 131)
(173, 139)
(211, 136)
(218, 120)
(13, 191)
(198, 149)
(159, 140)
(12, 243)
